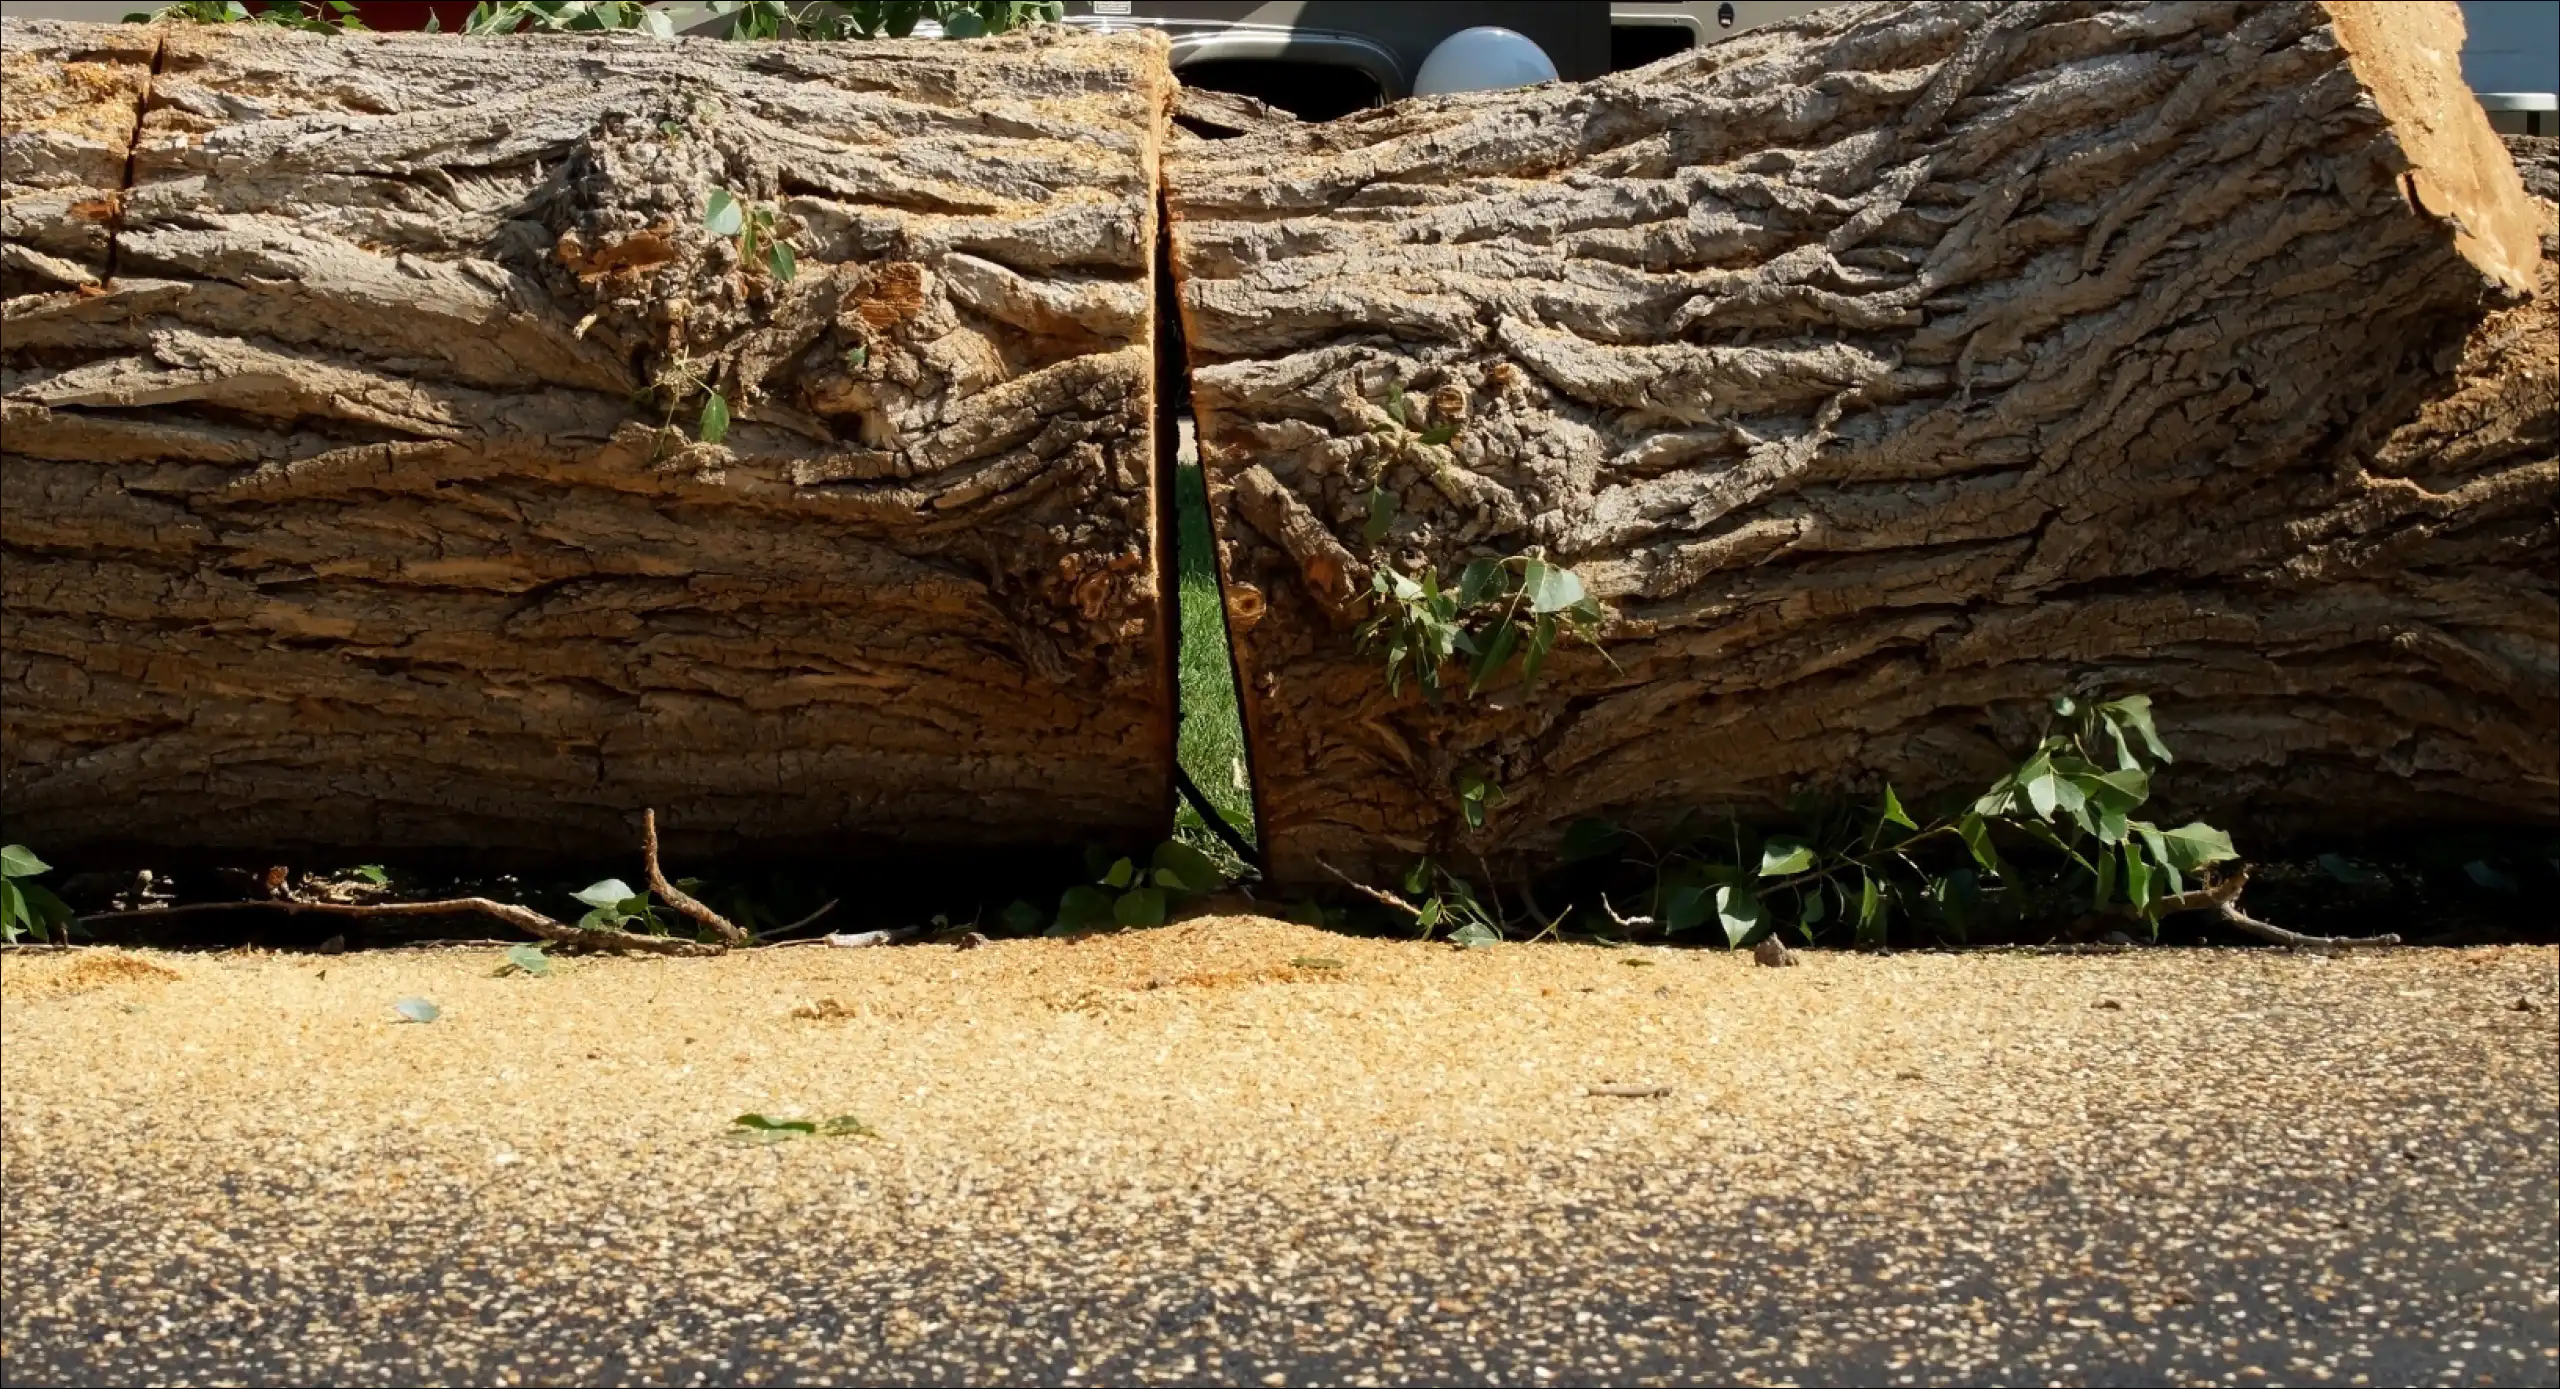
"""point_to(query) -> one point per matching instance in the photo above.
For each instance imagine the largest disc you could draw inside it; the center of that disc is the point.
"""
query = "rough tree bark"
(1880, 369)
(338, 512)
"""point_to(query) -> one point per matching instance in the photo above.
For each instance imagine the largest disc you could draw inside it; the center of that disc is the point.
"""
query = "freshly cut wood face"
(1880, 369)
(338, 510)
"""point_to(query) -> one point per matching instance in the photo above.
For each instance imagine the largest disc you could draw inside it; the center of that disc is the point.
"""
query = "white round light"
(1483, 59)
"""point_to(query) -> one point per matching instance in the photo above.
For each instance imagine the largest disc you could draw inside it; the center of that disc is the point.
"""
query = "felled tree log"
(1887, 372)
(362, 504)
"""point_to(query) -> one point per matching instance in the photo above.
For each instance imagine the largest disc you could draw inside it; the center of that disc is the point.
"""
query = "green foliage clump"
(310, 16)
(1123, 895)
(2066, 813)
(27, 905)
(1501, 609)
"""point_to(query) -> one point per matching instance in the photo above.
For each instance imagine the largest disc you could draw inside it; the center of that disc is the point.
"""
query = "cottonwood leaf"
(1550, 588)
(417, 1010)
(1781, 856)
(1191, 869)
(19, 861)
(1738, 911)
(722, 216)
(1140, 906)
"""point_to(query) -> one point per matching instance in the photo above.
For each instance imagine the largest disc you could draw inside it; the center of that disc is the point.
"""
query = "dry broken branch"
(677, 897)
(601, 938)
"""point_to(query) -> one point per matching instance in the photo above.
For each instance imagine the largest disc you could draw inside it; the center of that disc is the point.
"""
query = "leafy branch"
(1518, 606)
(1123, 895)
(310, 16)
(27, 905)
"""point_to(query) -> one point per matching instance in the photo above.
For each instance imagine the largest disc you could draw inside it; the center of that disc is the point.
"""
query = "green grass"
(1211, 746)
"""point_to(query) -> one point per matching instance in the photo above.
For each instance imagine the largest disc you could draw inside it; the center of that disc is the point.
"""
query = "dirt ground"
(1242, 1151)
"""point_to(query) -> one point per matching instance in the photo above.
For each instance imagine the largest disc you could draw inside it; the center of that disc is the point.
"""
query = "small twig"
(1501, 915)
(526, 918)
(2223, 898)
(775, 936)
(1372, 893)
(860, 939)
(677, 897)
(1625, 923)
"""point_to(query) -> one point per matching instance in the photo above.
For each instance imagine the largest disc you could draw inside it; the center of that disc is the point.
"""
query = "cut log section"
(366, 503)
(1886, 372)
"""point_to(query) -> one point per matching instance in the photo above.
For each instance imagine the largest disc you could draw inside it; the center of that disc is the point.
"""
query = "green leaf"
(1976, 833)
(1439, 434)
(2134, 712)
(1542, 639)
(1083, 909)
(2193, 845)
(2111, 825)
(1738, 911)
(965, 24)
(1589, 839)
(372, 873)
(1892, 812)
(13, 910)
(1782, 856)
(2064, 706)
(1481, 579)
(1382, 514)
(783, 261)
(723, 216)
(2137, 878)
(417, 1010)
(1313, 962)
(2051, 791)
(856, 355)
(2123, 789)
(763, 1124)
(1140, 906)
(714, 424)
(846, 1126)
(1475, 935)
(2106, 882)
(1021, 917)
(2158, 844)
(612, 892)
(1685, 908)
(1496, 654)
(1417, 877)
(2485, 875)
(1871, 911)
(1191, 869)
(1121, 874)
(530, 959)
(1428, 917)
(1810, 908)
(1550, 588)
(18, 861)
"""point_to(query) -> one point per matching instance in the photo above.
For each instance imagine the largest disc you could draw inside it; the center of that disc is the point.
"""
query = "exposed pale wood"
(70, 97)
(1883, 368)
(335, 519)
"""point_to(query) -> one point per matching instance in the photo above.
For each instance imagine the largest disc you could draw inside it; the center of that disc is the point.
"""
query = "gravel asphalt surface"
(1236, 1151)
